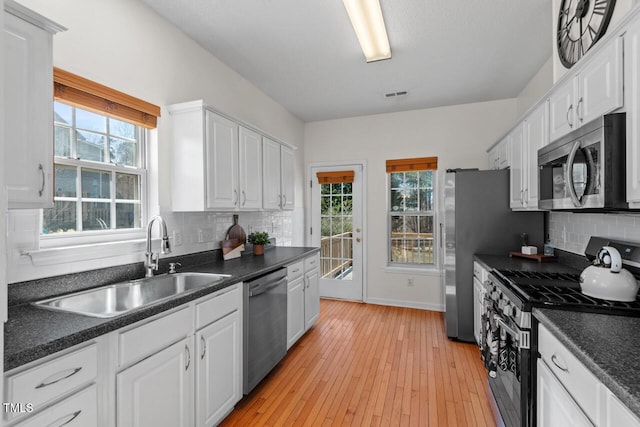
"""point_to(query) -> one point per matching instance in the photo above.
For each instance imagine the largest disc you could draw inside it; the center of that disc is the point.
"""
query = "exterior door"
(337, 228)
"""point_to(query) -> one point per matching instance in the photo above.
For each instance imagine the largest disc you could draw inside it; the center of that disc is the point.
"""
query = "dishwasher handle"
(264, 287)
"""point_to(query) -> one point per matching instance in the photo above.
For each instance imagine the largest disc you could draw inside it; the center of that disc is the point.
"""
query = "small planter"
(259, 239)
(258, 249)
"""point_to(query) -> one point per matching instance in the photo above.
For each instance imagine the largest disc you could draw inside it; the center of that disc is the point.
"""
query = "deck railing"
(336, 253)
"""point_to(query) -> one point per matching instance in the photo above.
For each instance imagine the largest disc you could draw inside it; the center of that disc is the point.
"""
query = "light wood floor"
(372, 365)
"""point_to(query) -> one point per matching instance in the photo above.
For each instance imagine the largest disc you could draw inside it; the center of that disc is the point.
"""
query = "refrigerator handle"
(441, 238)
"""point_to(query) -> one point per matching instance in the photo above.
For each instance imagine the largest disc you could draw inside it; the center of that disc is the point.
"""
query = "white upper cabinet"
(516, 145)
(221, 165)
(596, 89)
(278, 176)
(28, 116)
(632, 101)
(499, 155)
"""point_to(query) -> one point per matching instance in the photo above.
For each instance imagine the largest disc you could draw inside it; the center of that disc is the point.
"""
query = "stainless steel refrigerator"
(477, 220)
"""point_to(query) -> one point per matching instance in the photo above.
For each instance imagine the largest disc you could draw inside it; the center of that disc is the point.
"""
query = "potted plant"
(258, 239)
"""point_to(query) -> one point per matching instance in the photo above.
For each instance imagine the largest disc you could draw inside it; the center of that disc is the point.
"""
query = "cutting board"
(236, 232)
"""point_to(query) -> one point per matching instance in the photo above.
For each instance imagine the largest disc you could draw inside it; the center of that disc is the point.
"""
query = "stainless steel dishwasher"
(265, 326)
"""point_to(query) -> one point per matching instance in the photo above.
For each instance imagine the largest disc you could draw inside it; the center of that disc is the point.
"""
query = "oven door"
(510, 386)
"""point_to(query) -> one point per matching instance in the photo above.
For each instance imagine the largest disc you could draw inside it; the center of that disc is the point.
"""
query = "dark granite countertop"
(32, 332)
(607, 345)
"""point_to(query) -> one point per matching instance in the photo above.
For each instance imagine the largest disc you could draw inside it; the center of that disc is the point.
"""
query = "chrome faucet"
(151, 260)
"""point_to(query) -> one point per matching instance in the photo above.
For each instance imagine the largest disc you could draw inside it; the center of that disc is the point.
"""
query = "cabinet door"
(536, 136)
(221, 153)
(78, 410)
(617, 414)
(250, 168)
(632, 101)
(158, 391)
(295, 311)
(600, 83)
(218, 377)
(477, 308)
(562, 118)
(492, 158)
(288, 177)
(272, 197)
(516, 173)
(311, 297)
(28, 116)
(556, 407)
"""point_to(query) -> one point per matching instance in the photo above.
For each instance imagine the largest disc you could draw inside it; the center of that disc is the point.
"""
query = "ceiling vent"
(394, 94)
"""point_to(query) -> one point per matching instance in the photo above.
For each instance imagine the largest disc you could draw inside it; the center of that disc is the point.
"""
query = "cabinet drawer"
(224, 302)
(79, 410)
(146, 339)
(574, 376)
(311, 262)
(295, 270)
(43, 383)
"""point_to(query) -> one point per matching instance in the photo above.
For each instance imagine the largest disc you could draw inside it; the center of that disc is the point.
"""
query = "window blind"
(83, 93)
(335, 177)
(413, 164)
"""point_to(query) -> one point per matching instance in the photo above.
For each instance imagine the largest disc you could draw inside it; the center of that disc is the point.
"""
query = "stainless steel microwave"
(585, 169)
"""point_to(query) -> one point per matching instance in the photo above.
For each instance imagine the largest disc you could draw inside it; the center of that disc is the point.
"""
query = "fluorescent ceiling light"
(367, 21)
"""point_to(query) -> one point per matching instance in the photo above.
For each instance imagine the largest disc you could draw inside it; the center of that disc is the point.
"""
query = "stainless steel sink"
(113, 300)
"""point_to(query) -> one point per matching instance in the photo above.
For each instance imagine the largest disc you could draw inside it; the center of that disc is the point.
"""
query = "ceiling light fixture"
(366, 18)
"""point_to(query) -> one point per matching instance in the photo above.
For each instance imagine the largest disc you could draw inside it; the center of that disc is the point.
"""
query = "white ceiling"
(305, 55)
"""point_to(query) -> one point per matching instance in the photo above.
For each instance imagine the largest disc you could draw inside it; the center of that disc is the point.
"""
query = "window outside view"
(336, 242)
(98, 173)
(411, 217)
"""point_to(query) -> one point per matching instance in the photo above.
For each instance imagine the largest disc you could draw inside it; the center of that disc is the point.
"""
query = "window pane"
(336, 205)
(397, 179)
(127, 215)
(347, 205)
(90, 146)
(59, 219)
(123, 152)
(96, 216)
(127, 186)
(325, 205)
(62, 141)
(347, 188)
(411, 200)
(65, 181)
(397, 203)
(62, 113)
(90, 121)
(397, 226)
(426, 226)
(411, 226)
(336, 188)
(426, 200)
(123, 129)
(96, 184)
(325, 189)
(426, 179)
(325, 226)
(347, 224)
(411, 179)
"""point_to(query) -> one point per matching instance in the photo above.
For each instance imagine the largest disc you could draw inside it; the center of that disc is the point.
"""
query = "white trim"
(414, 271)
(406, 304)
(58, 255)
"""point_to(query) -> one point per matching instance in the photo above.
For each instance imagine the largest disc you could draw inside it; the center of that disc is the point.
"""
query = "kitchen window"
(100, 189)
(411, 213)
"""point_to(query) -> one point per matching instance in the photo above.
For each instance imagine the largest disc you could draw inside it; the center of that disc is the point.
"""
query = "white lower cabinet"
(556, 407)
(218, 376)
(158, 391)
(569, 394)
(78, 410)
(303, 297)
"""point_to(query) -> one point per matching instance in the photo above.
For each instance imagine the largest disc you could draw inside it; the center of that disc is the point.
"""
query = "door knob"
(358, 229)
(358, 239)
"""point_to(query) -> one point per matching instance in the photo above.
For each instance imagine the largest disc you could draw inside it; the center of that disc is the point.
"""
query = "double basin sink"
(113, 300)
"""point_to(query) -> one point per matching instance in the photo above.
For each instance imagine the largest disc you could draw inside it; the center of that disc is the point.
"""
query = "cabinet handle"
(579, 110)
(280, 200)
(554, 359)
(526, 196)
(41, 169)
(296, 270)
(569, 110)
(521, 198)
(59, 377)
(186, 348)
(235, 197)
(244, 198)
(67, 419)
(284, 203)
(204, 346)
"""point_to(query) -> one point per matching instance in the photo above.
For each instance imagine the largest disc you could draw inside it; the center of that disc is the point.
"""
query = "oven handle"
(568, 174)
(521, 337)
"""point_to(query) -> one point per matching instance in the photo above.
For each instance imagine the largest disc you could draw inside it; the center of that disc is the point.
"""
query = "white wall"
(536, 88)
(458, 135)
(125, 45)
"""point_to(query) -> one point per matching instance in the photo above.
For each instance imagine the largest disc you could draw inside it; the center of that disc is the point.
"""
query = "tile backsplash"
(571, 231)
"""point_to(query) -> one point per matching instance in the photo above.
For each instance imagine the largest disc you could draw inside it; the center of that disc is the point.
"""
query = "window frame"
(434, 214)
(83, 237)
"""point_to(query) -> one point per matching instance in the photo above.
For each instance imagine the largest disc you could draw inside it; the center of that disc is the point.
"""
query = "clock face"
(581, 23)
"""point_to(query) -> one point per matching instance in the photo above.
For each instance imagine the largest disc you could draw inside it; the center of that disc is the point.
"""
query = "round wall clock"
(581, 23)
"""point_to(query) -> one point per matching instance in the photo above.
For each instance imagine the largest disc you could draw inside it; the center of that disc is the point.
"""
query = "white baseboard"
(406, 304)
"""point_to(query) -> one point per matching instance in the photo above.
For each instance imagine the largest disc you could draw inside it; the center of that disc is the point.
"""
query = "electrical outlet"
(410, 281)
(200, 235)
(177, 238)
